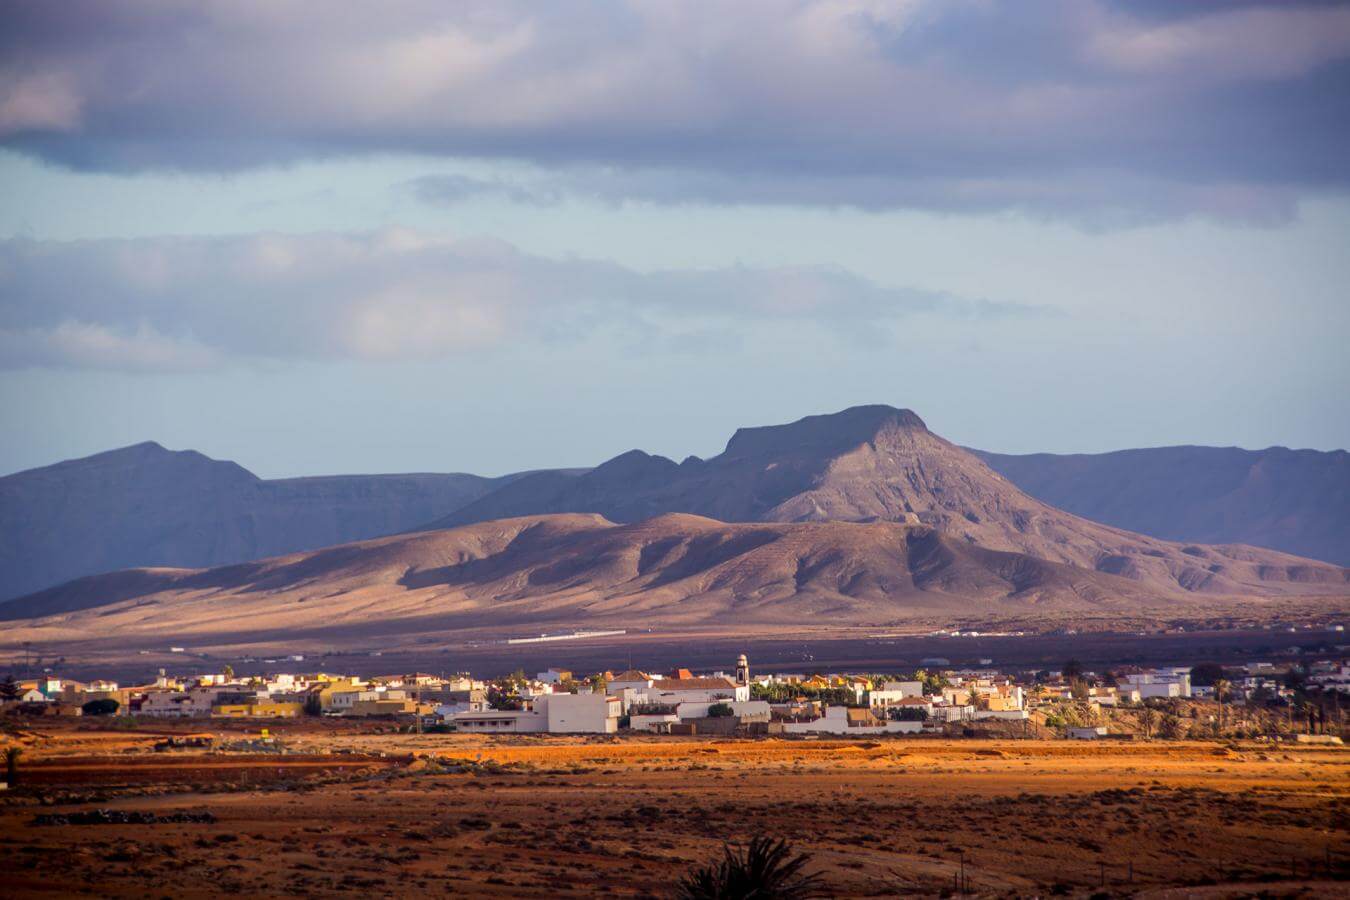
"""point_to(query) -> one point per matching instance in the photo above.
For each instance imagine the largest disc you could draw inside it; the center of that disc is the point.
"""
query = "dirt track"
(550, 816)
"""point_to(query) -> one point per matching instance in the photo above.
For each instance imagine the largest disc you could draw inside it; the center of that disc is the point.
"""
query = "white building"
(673, 691)
(1158, 683)
(753, 710)
(581, 713)
(501, 721)
(453, 708)
(166, 704)
(1335, 678)
(906, 688)
(552, 713)
(461, 682)
(655, 722)
(1087, 733)
(342, 701)
(892, 692)
(951, 712)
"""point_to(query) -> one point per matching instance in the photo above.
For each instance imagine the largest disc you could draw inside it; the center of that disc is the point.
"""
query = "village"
(936, 700)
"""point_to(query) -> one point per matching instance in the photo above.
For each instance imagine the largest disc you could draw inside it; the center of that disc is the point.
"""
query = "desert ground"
(335, 808)
(807, 647)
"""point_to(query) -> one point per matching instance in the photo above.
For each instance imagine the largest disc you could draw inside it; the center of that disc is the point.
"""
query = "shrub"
(765, 869)
(720, 711)
(105, 707)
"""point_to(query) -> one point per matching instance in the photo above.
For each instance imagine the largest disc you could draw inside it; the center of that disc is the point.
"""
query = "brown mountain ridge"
(671, 570)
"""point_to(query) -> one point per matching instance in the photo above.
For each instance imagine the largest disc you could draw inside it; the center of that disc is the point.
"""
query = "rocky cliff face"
(148, 506)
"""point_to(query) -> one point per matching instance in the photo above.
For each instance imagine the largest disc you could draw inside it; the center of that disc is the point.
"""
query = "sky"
(497, 236)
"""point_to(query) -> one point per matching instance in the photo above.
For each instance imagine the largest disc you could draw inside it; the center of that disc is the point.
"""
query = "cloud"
(91, 346)
(1094, 200)
(1232, 110)
(451, 190)
(178, 303)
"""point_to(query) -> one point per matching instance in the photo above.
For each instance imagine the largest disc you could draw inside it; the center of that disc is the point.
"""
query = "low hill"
(672, 570)
(1297, 501)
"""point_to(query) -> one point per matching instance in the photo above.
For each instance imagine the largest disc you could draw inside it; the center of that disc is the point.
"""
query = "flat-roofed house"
(582, 713)
(501, 721)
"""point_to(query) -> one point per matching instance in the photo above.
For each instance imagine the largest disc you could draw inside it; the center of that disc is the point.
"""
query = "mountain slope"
(145, 505)
(878, 463)
(1297, 501)
(670, 570)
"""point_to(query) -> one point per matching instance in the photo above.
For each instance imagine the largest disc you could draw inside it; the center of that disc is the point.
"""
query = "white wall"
(581, 713)
(905, 688)
(728, 694)
(738, 708)
(650, 723)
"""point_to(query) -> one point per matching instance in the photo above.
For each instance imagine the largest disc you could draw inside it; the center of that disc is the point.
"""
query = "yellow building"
(390, 708)
(333, 687)
(998, 702)
(262, 709)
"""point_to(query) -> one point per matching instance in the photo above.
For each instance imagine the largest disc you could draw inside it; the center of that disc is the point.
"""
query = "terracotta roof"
(693, 684)
(631, 675)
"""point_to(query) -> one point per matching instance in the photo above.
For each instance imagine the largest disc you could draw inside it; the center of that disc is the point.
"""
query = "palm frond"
(766, 869)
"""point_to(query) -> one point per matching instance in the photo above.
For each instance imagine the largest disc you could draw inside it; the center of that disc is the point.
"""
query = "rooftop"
(692, 684)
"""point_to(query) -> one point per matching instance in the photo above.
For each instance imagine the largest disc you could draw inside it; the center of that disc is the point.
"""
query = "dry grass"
(551, 816)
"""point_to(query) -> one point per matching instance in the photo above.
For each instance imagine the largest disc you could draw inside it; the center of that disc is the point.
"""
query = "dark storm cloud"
(1081, 108)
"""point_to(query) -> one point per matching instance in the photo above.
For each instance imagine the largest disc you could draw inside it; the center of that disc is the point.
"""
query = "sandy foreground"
(348, 811)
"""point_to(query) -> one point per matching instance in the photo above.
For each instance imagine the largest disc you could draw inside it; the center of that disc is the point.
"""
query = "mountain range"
(148, 506)
(1297, 501)
(864, 516)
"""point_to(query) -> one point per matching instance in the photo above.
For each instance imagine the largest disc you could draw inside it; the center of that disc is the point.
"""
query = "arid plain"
(350, 810)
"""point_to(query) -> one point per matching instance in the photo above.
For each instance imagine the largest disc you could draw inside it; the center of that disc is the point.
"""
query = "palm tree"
(1221, 688)
(765, 870)
(1148, 717)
